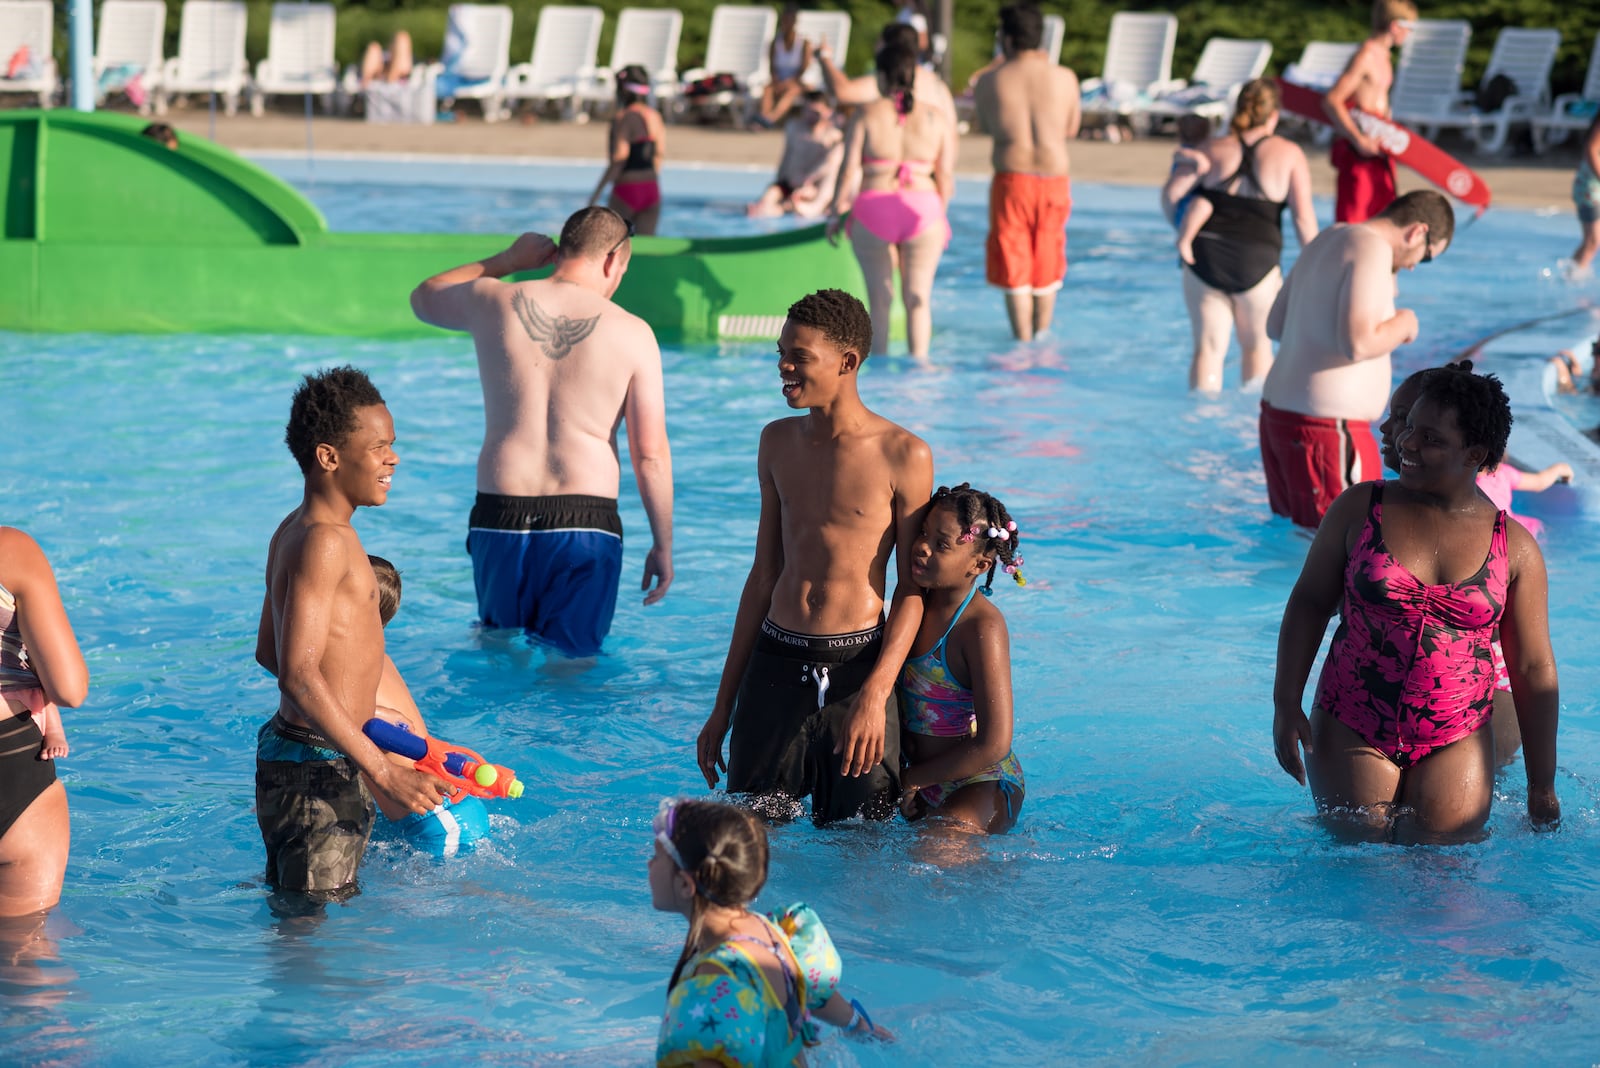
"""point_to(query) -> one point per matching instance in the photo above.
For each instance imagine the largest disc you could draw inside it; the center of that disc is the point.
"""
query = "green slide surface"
(108, 231)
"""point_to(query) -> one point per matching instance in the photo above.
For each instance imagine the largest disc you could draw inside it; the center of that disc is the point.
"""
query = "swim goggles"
(662, 824)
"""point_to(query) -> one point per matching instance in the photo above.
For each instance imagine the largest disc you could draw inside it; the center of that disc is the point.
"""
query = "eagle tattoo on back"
(557, 334)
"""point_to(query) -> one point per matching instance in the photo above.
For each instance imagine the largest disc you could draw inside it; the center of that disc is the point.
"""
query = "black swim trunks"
(789, 714)
(314, 811)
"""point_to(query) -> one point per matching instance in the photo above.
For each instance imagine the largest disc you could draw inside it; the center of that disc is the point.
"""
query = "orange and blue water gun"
(455, 764)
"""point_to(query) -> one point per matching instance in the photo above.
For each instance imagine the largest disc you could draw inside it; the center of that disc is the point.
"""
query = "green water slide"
(105, 230)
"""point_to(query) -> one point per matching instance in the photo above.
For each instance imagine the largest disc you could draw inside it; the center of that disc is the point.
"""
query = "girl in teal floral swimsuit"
(748, 988)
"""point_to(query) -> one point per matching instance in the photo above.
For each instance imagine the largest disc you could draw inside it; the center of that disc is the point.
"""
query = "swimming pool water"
(1166, 898)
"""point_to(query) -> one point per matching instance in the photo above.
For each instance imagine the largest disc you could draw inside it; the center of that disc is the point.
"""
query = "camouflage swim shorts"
(315, 812)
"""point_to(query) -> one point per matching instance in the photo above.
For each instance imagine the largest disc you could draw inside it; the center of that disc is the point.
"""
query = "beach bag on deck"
(711, 85)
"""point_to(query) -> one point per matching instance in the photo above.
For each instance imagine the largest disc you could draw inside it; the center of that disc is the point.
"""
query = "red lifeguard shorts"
(1027, 247)
(1310, 460)
(1365, 186)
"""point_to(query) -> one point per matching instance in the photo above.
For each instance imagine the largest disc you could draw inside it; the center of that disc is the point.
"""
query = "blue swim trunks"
(550, 565)
(452, 826)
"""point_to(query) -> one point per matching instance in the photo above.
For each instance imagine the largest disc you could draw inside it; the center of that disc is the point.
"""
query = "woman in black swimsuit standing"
(1232, 235)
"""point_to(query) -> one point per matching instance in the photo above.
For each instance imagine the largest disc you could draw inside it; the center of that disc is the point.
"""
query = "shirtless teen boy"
(808, 686)
(321, 636)
(1366, 172)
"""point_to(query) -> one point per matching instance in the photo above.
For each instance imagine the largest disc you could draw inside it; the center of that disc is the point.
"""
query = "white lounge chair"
(1138, 66)
(1427, 80)
(1055, 33)
(1570, 111)
(210, 55)
(822, 27)
(645, 37)
(477, 57)
(1319, 66)
(737, 46)
(128, 43)
(1224, 66)
(1525, 56)
(29, 22)
(299, 55)
(566, 46)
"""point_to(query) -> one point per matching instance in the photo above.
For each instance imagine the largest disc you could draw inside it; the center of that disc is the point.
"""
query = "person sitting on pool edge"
(460, 820)
(813, 144)
(321, 638)
(561, 366)
(808, 685)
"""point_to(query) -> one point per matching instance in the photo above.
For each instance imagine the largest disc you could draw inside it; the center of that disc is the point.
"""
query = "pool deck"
(1525, 182)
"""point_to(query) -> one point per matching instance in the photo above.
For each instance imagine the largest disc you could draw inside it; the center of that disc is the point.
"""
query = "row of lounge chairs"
(1136, 87)
(563, 68)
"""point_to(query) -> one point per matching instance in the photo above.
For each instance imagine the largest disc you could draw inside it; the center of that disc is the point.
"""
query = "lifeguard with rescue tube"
(1408, 147)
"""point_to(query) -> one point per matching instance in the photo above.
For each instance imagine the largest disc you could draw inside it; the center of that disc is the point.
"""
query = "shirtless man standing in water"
(808, 686)
(320, 635)
(1366, 171)
(561, 366)
(1029, 105)
(1336, 323)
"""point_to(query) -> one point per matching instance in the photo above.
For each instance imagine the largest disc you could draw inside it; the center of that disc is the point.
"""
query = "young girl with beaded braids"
(748, 988)
(955, 694)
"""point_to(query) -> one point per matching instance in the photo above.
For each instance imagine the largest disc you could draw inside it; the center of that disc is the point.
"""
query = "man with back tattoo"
(560, 366)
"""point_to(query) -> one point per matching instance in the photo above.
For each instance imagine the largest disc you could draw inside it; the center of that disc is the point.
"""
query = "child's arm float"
(455, 764)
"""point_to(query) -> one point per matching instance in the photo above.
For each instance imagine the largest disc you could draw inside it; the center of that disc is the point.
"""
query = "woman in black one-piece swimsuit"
(1232, 237)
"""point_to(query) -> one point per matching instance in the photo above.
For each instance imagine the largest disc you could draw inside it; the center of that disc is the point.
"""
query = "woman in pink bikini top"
(1422, 571)
(894, 152)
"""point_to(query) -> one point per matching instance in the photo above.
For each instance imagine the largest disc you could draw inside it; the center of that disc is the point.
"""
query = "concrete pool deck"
(1524, 182)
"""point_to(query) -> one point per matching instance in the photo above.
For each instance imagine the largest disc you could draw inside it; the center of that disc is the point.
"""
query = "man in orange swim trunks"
(1029, 105)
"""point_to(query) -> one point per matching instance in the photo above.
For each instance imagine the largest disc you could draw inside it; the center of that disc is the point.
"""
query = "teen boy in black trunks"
(808, 687)
(321, 636)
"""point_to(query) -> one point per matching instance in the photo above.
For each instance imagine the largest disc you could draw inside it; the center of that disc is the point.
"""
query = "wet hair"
(724, 850)
(898, 68)
(1386, 13)
(842, 319)
(590, 233)
(898, 34)
(1023, 24)
(977, 509)
(1426, 207)
(161, 134)
(388, 587)
(1257, 102)
(1193, 129)
(1483, 411)
(323, 411)
(633, 74)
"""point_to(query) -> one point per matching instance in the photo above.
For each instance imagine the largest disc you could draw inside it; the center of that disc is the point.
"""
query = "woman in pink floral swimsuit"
(1422, 571)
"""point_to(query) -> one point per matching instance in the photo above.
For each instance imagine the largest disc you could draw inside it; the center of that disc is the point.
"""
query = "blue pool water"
(1166, 897)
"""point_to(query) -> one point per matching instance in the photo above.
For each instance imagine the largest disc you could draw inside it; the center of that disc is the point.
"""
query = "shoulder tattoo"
(557, 334)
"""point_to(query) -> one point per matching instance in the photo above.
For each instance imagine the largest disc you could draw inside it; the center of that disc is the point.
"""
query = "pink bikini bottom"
(637, 196)
(898, 215)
